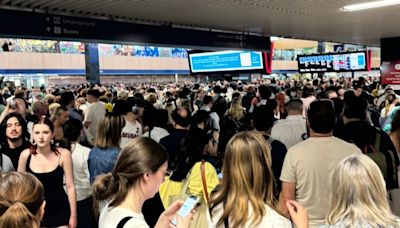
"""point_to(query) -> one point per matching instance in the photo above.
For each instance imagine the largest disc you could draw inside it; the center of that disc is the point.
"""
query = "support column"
(321, 49)
(176, 78)
(92, 63)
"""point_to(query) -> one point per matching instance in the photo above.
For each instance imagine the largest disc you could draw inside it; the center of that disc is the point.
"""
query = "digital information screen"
(226, 61)
(335, 62)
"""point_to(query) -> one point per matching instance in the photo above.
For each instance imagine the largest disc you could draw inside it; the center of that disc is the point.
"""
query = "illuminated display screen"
(335, 62)
(226, 61)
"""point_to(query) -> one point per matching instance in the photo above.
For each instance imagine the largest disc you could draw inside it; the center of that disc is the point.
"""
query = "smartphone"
(190, 203)
(12, 104)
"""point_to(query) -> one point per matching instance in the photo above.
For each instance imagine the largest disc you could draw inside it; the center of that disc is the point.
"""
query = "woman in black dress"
(50, 164)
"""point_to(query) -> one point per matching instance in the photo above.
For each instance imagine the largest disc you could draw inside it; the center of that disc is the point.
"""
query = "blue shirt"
(102, 161)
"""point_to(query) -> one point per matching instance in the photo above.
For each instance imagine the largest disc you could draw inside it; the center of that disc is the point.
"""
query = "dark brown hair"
(49, 123)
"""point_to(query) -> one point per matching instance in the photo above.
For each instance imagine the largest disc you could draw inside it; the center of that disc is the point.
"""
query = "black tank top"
(57, 211)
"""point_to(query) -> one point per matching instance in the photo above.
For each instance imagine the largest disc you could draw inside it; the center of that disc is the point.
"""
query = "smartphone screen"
(187, 207)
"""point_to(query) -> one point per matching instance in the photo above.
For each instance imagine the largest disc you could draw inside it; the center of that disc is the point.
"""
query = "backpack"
(220, 106)
(386, 165)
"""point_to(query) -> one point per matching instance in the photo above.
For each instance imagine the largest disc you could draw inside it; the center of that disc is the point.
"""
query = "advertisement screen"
(391, 72)
(334, 62)
(225, 61)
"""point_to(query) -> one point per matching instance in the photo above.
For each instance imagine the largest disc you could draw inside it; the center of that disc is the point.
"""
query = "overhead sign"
(334, 62)
(47, 26)
(226, 61)
(391, 73)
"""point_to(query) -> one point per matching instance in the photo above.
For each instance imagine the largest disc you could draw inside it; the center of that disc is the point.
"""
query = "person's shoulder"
(278, 124)
(25, 153)
(301, 146)
(165, 139)
(137, 223)
(342, 143)
(278, 144)
(110, 217)
(82, 148)
(7, 165)
(275, 219)
(64, 153)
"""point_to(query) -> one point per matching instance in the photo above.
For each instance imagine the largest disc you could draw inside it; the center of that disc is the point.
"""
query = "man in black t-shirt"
(263, 120)
(358, 131)
(14, 137)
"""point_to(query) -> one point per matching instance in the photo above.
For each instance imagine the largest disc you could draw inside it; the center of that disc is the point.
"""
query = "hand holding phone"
(190, 203)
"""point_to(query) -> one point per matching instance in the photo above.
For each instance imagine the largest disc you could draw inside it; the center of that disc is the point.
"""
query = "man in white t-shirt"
(308, 167)
(132, 112)
(158, 124)
(94, 113)
(294, 121)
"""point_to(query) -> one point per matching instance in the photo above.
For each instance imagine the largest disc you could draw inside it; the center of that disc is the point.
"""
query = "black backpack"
(385, 161)
(220, 106)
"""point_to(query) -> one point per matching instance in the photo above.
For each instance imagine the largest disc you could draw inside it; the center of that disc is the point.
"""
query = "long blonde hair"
(359, 194)
(248, 180)
(109, 131)
(236, 110)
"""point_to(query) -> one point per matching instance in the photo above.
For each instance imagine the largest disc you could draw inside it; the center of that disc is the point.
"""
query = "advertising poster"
(391, 73)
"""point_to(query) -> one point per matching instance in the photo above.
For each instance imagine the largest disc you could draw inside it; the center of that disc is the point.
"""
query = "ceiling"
(308, 19)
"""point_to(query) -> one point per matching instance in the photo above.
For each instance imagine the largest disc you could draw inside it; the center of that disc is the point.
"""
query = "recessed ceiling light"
(370, 5)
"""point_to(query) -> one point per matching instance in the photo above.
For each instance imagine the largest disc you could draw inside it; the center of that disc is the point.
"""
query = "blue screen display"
(226, 61)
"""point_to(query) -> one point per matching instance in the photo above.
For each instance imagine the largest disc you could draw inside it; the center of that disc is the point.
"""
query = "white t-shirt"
(310, 165)
(129, 132)
(6, 165)
(157, 133)
(80, 156)
(110, 217)
(298, 128)
(271, 219)
(94, 114)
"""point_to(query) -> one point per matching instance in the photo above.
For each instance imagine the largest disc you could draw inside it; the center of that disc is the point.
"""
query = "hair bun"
(104, 186)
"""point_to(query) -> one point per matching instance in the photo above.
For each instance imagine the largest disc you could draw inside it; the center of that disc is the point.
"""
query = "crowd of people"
(275, 153)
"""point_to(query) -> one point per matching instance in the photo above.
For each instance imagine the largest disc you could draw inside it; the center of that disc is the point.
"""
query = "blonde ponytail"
(17, 215)
(21, 197)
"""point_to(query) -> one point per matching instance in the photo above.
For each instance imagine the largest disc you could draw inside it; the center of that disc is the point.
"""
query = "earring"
(52, 141)
(33, 143)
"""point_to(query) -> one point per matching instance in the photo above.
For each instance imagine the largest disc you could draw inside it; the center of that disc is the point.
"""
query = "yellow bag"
(200, 218)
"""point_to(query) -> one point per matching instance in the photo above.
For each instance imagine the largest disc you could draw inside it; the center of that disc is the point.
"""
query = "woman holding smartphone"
(137, 175)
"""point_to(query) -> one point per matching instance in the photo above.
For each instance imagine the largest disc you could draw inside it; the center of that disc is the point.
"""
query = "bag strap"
(123, 221)
(185, 186)
(203, 179)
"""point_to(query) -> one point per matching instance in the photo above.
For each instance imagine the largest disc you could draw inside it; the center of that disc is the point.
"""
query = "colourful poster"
(391, 73)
